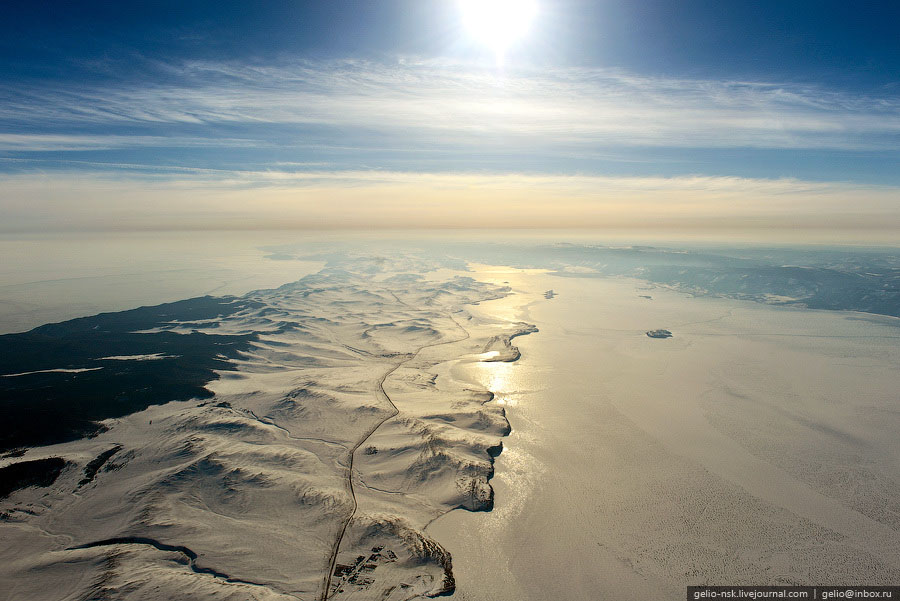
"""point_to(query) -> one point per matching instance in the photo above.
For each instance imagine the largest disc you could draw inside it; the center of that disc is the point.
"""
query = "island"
(659, 334)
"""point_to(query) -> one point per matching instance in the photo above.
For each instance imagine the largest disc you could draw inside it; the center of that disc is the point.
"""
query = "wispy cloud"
(202, 145)
(37, 142)
(450, 104)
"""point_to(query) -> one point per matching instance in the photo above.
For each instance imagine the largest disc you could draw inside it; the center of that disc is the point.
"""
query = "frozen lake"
(756, 445)
(53, 278)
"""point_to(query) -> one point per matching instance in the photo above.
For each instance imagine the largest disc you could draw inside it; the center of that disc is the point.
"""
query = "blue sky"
(330, 98)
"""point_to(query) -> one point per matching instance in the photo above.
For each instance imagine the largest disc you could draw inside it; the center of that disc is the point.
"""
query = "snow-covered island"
(322, 430)
(659, 334)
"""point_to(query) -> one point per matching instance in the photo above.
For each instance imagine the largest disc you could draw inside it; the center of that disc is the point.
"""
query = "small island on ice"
(659, 334)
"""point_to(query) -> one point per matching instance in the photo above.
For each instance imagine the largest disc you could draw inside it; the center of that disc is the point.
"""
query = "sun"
(498, 23)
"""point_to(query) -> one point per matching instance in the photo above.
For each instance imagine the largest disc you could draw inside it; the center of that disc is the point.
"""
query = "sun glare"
(498, 23)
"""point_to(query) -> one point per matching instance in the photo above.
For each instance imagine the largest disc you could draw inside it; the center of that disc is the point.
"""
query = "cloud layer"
(446, 104)
(285, 200)
(416, 144)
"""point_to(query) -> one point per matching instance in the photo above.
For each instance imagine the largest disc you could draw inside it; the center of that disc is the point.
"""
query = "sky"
(408, 113)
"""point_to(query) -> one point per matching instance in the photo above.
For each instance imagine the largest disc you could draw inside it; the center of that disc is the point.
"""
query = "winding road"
(382, 395)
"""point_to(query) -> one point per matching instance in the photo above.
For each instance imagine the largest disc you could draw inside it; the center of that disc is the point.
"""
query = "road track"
(380, 392)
